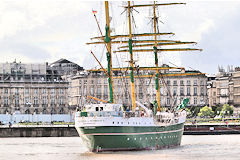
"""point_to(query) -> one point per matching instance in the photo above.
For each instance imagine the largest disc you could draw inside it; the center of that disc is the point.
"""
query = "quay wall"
(211, 129)
(68, 131)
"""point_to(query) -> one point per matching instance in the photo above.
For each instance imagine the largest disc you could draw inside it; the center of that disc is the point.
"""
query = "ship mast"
(156, 55)
(109, 54)
(131, 59)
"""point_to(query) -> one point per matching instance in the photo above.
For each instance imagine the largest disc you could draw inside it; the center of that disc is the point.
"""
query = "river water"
(208, 147)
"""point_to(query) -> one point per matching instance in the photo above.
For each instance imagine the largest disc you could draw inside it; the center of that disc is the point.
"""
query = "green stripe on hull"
(131, 138)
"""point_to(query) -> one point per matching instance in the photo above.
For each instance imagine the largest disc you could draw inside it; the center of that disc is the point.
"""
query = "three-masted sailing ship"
(109, 126)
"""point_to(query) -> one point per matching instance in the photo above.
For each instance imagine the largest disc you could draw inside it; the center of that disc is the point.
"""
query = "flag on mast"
(94, 12)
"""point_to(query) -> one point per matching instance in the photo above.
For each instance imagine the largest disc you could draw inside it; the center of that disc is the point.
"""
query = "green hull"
(117, 138)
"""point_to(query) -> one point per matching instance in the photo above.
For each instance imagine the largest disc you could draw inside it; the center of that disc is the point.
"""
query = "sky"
(34, 31)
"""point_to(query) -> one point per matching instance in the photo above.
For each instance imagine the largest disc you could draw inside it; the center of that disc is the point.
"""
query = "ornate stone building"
(34, 88)
(173, 89)
(225, 88)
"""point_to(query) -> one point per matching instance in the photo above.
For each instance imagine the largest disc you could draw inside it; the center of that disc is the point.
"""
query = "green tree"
(195, 110)
(189, 113)
(218, 110)
(206, 112)
(227, 110)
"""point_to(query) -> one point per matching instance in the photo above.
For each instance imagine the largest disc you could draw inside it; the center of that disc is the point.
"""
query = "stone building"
(173, 89)
(225, 88)
(33, 88)
(236, 87)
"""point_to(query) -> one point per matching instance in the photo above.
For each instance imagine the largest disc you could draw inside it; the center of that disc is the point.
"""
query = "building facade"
(173, 89)
(225, 88)
(32, 89)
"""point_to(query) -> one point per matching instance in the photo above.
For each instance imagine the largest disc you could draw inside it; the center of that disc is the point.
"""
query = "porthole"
(118, 122)
(121, 122)
(113, 122)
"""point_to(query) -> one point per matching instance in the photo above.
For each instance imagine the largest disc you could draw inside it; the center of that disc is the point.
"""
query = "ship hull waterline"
(130, 138)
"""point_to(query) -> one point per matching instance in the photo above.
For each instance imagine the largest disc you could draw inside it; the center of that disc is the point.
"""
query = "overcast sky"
(38, 31)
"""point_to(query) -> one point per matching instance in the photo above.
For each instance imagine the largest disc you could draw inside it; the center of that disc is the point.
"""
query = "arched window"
(36, 111)
(44, 111)
(61, 111)
(27, 111)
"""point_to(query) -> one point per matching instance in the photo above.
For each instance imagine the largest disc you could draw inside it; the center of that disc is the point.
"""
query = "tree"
(227, 110)
(195, 111)
(206, 112)
(189, 113)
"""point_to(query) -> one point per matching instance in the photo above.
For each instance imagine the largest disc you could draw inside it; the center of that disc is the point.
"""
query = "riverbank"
(38, 131)
(211, 129)
(70, 131)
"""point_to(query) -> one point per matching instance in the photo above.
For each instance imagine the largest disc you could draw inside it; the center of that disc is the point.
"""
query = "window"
(168, 101)
(85, 81)
(16, 90)
(16, 100)
(52, 100)
(168, 82)
(195, 82)
(182, 82)
(188, 91)
(91, 91)
(35, 91)
(53, 91)
(201, 82)
(195, 100)
(140, 90)
(195, 91)
(35, 100)
(6, 91)
(106, 81)
(175, 91)
(175, 82)
(202, 91)
(182, 91)
(106, 90)
(80, 81)
(61, 100)
(44, 100)
(98, 90)
(147, 81)
(214, 93)
(62, 91)
(44, 91)
(5, 100)
(188, 82)
(27, 100)
(92, 81)
(26, 91)
(98, 81)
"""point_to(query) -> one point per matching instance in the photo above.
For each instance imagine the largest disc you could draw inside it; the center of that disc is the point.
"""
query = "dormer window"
(97, 109)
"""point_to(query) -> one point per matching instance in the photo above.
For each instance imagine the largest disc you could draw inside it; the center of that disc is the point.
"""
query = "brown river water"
(207, 147)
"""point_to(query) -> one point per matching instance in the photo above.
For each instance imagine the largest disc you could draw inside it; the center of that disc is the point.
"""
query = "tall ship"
(108, 126)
